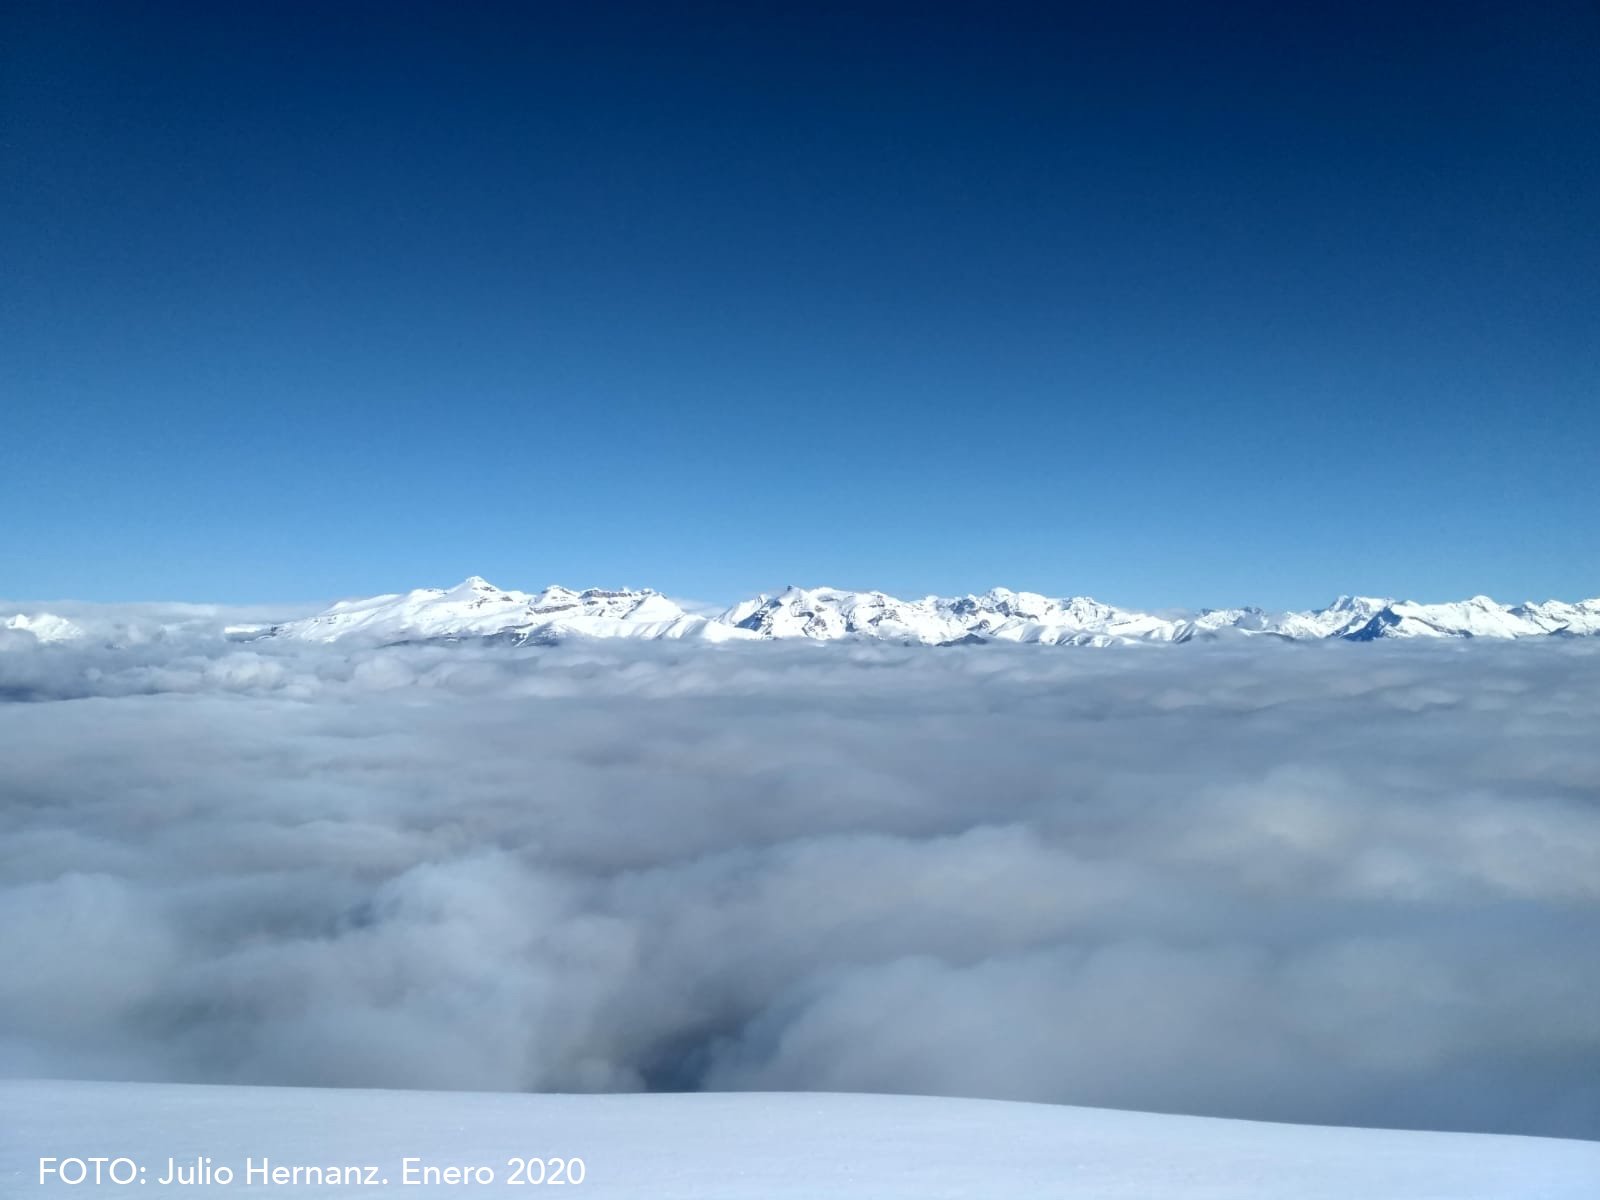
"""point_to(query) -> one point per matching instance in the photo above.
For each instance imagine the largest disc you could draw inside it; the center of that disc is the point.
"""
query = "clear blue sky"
(1164, 305)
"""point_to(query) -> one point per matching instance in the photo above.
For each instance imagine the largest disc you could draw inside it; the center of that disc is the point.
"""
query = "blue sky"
(1163, 307)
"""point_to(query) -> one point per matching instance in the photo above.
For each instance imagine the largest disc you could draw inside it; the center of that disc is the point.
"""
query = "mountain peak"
(1359, 604)
(473, 585)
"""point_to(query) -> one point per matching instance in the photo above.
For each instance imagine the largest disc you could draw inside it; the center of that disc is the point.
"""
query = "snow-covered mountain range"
(477, 610)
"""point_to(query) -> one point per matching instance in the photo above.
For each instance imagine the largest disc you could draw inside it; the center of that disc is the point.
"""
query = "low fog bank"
(1327, 883)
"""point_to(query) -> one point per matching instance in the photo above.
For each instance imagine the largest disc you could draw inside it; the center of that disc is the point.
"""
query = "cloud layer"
(1354, 884)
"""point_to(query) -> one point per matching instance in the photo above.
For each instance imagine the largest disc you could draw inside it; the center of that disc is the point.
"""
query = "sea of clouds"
(1328, 883)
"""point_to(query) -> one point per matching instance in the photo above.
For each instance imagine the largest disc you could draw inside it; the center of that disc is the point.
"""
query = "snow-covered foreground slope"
(753, 1146)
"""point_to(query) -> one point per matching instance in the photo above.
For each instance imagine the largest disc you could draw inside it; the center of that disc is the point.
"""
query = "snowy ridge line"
(477, 610)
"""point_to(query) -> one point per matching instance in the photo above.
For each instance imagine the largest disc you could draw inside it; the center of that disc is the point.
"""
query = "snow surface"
(750, 1145)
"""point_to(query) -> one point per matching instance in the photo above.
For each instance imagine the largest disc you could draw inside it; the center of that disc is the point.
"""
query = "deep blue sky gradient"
(1168, 306)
